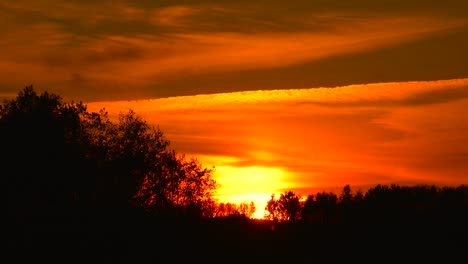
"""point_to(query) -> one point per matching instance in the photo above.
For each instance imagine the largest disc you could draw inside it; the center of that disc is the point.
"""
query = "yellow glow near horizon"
(260, 200)
(237, 180)
(246, 184)
(264, 142)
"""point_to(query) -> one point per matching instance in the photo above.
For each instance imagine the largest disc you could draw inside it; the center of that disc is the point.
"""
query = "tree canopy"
(380, 204)
(62, 162)
(58, 157)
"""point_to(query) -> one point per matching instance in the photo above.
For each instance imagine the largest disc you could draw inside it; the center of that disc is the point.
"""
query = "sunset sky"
(302, 95)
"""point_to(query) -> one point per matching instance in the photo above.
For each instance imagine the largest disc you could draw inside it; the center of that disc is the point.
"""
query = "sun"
(246, 184)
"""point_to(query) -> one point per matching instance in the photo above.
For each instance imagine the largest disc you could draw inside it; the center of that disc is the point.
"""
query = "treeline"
(242, 209)
(124, 194)
(63, 163)
(393, 204)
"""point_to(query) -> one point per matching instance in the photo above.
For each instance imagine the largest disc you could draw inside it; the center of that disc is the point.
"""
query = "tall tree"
(346, 203)
(272, 211)
(290, 206)
(57, 156)
(326, 202)
(286, 208)
(177, 185)
(42, 156)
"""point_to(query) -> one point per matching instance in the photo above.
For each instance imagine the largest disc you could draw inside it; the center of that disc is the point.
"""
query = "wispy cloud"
(94, 49)
(335, 136)
(305, 139)
(174, 16)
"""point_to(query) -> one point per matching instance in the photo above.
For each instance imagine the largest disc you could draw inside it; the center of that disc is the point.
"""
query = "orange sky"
(119, 49)
(235, 82)
(264, 142)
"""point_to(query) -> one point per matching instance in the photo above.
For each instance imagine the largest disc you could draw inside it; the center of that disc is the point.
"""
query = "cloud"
(420, 93)
(389, 127)
(173, 16)
(365, 140)
(88, 50)
(438, 96)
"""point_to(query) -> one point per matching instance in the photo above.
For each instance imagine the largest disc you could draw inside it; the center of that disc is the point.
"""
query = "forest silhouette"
(84, 187)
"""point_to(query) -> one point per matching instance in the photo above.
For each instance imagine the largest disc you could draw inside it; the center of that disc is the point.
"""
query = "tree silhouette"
(230, 209)
(42, 155)
(63, 163)
(247, 209)
(272, 211)
(326, 203)
(290, 206)
(177, 185)
(346, 203)
(61, 158)
(286, 209)
(122, 153)
(309, 209)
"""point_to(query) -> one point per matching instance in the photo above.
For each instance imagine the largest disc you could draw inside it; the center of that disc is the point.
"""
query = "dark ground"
(237, 241)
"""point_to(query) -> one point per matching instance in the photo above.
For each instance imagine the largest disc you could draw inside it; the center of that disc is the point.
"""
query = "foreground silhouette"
(81, 187)
(389, 204)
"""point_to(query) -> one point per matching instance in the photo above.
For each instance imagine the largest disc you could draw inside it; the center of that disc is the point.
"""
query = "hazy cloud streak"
(322, 137)
(86, 50)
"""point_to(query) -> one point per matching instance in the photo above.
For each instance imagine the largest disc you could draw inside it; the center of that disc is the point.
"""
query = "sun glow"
(265, 142)
(246, 184)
